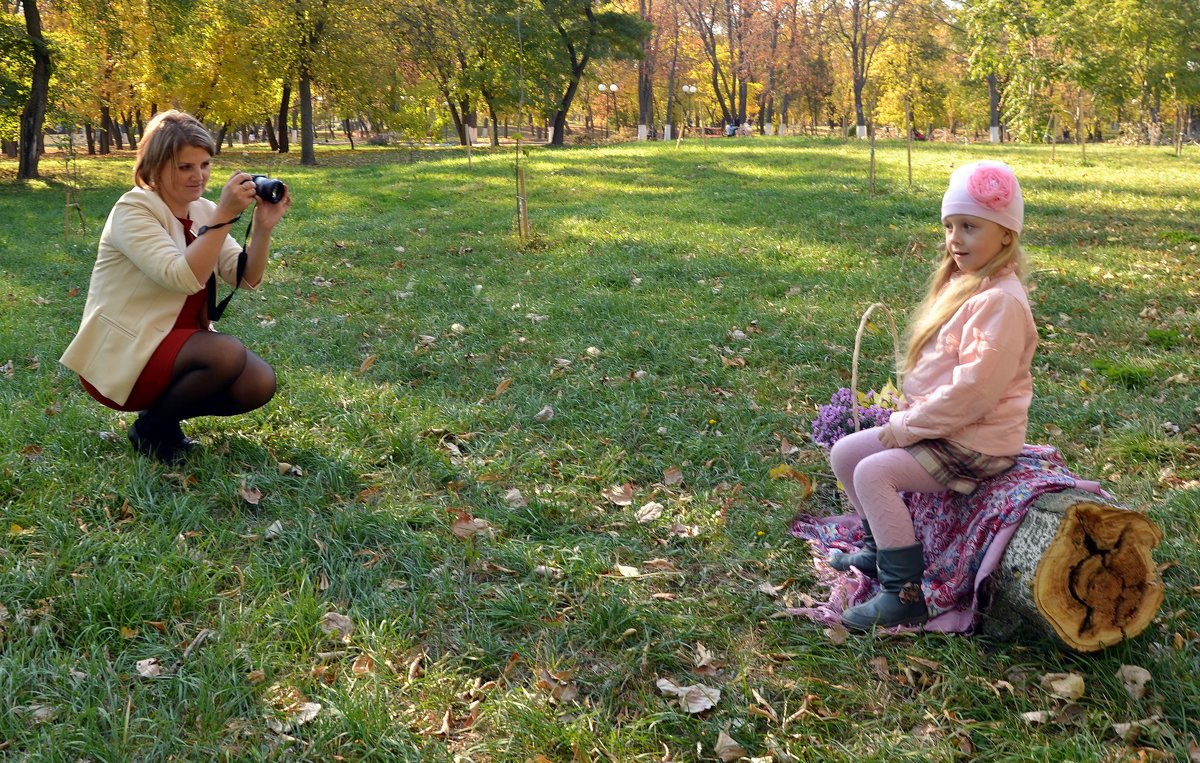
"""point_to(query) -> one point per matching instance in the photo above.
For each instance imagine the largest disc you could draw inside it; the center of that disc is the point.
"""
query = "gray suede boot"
(864, 560)
(901, 602)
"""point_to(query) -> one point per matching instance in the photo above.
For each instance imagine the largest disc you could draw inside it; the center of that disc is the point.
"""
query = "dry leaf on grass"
(148, 668)
(302, 715)
(649, 512)
(1037, 716)
(694, 698)
(466, 526)
(36, 713)
(727, 749)
(289, 470)
(1068, 686)
(837, 634)
(250, 495)
(273, 530)
(672, 475)
(547, 571)
(628, 572)
(1130, 732)
(544, 415)
(770, 589)
(560, 685)
(367, 363)
(363, 665)
(1134, 679)
(339, 625)
(621, 495)
(513, 498)
(659, 565)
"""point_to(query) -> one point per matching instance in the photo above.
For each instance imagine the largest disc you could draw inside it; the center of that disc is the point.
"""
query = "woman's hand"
(268, 215)
(237, 194)
(887, 438)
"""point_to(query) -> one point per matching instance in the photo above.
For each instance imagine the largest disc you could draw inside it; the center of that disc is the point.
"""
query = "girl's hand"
(267, 215)
(236, 196)
(887, 438)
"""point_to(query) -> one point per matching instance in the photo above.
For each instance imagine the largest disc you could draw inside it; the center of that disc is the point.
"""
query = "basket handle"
(862, 326)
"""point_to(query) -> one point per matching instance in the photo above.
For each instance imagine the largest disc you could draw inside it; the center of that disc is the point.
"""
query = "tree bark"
(1078, 572)
(284, 103)
(33, 116)
(308, 156)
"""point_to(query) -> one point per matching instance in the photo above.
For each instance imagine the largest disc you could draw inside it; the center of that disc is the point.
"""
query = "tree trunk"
(105, 131)
(33, 116)
(993, 108)
(308, 156)
(271, 139)
(1078, 571)
(90, 133)
(284, 103)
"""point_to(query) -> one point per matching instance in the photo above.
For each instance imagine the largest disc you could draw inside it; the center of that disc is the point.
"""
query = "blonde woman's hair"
(166, 134)
(945, 297)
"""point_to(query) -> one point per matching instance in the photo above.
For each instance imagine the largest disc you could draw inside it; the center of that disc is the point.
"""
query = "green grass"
(644, 262)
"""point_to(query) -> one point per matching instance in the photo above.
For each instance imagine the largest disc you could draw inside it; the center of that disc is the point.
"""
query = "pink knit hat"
(986, 189)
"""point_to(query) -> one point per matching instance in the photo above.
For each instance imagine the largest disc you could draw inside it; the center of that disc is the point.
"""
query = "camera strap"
(215, 310)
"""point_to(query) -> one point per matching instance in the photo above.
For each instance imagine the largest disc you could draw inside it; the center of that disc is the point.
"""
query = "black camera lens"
(269, 189)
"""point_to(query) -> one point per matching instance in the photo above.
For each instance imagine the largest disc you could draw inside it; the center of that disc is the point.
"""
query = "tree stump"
(1078, 571)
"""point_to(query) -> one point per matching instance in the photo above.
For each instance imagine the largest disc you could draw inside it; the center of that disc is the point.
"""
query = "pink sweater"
(971, 383)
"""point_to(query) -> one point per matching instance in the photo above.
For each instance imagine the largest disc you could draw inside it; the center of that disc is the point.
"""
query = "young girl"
(967, 386)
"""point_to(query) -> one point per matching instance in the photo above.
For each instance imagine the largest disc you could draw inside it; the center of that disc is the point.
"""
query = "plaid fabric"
(956, 467)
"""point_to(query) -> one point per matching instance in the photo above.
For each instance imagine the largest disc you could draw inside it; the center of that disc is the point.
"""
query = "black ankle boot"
(151, 441)
(901, 602)
(864, 560)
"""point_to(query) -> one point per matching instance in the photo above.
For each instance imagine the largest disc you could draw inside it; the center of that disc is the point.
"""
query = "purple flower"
(836, 420)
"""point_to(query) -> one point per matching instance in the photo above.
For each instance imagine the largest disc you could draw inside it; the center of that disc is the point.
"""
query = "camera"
(268, 189)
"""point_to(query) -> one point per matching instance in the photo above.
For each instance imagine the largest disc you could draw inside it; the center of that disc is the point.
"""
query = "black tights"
(214, 375)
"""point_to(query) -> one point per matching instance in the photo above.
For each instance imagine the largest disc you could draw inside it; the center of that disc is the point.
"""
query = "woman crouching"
(145, 342)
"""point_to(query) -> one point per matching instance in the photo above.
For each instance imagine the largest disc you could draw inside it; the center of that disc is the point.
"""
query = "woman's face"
(184, 179)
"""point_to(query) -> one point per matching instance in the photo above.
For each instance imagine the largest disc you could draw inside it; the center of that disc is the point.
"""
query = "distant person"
(730, 130)
(967, 384)
(145, 342)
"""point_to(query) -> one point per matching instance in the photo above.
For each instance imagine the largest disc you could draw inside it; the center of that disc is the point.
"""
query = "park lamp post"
(611, 90)
(690, 92)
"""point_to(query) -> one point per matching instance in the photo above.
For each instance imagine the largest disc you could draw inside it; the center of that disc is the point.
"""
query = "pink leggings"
(873, 477)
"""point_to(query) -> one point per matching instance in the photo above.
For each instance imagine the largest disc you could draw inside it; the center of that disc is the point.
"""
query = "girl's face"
(973, 242)
(184, 179)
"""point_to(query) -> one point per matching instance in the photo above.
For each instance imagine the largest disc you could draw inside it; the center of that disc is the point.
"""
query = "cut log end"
(1097, 584)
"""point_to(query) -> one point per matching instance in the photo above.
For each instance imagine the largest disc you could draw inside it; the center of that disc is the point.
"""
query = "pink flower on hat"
(992, 186)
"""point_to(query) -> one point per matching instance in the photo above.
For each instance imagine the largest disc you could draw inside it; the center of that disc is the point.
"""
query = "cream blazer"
(139, 284)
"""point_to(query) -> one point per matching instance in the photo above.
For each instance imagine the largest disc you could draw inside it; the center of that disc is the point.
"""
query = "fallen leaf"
(1130, 732)
(337, 624)
(367, 363)
(693, 699)
(560, 685)
(1068, 686)
(621, 495)
(273, 530)
(659, 565)
(837, 634)
(548, 572)
(628, 572)
(302, 715)
(672, 475)
(513, 498)
(544, 415)
(249, 494)
(363, 665)
(502, 387)
(1037, 716)
(128, 633)
(1134, 679)
(769, 588)
(727, 749)
(36, 713)
(465, 526)
(786, 448)
(880, 666)
(649, 512)
(256, 676)
(149, 668)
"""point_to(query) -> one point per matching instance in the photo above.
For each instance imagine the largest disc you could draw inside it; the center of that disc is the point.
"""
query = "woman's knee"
(258, 382)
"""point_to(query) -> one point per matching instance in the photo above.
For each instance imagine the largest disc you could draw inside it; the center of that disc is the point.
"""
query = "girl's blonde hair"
(166, 134)
(945, 296)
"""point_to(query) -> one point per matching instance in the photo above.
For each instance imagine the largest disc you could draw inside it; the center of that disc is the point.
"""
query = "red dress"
(156, 376)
